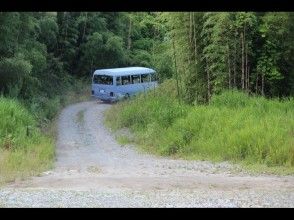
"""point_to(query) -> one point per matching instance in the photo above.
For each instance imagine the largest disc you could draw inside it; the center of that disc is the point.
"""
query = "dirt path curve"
(93, 170)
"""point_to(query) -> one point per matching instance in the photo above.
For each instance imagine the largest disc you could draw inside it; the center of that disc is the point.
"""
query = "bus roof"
(123, 71)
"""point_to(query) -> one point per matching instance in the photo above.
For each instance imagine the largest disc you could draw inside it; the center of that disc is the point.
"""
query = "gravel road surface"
(93, 170)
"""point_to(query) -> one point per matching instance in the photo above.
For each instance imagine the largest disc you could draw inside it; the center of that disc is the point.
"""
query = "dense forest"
(206, 52)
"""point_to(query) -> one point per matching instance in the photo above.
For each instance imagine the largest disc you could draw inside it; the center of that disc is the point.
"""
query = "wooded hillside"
(207, 52)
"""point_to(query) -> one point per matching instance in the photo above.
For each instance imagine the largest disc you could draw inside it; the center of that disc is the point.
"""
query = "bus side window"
(118, 81)
(145, 78)
(103, 79)
(125, 80)
(135, 79)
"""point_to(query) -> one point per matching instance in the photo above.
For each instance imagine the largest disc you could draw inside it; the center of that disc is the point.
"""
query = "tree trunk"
(208, 87)
(246, 65)
(190, 27)
(229, 65)
(91, 72)
(176, 71)
(190, 45)
(85, 24)
(248, 78)
(256, 84)
(17, 37)
(234, 66)
(242, 66)
(129, 34)
(195, 54)
(65, 37)
(66, 26)
(262, 84)
(208, 84)
(194, 36)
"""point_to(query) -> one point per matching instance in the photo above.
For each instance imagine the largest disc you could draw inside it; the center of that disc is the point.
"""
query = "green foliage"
(141, 58)
(17, 127)
(46, 108)
(48, 32)
(67, 38)
(234, 127)
(9, 29)
(101, 51)
(213, 51)
(164, 68)
(243, 50)
(13, 72)
(53, 76)
(274, 29)
(23, 149)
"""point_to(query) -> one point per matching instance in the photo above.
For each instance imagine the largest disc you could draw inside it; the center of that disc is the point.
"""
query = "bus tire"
(127, 96)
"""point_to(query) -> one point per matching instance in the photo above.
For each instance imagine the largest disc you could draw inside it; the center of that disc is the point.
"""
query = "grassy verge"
(28, 133)
(252, 131)
(24, 150)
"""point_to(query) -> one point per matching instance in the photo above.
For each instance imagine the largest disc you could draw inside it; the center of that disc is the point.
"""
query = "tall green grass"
(24, 150)
(234, 127)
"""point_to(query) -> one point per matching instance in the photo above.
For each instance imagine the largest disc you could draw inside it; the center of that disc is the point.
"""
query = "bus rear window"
(103, 79)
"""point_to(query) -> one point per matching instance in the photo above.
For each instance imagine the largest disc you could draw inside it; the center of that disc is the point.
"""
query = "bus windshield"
(103, 79)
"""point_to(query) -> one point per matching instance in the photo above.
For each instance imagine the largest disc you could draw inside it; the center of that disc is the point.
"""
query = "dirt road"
(93, 170)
